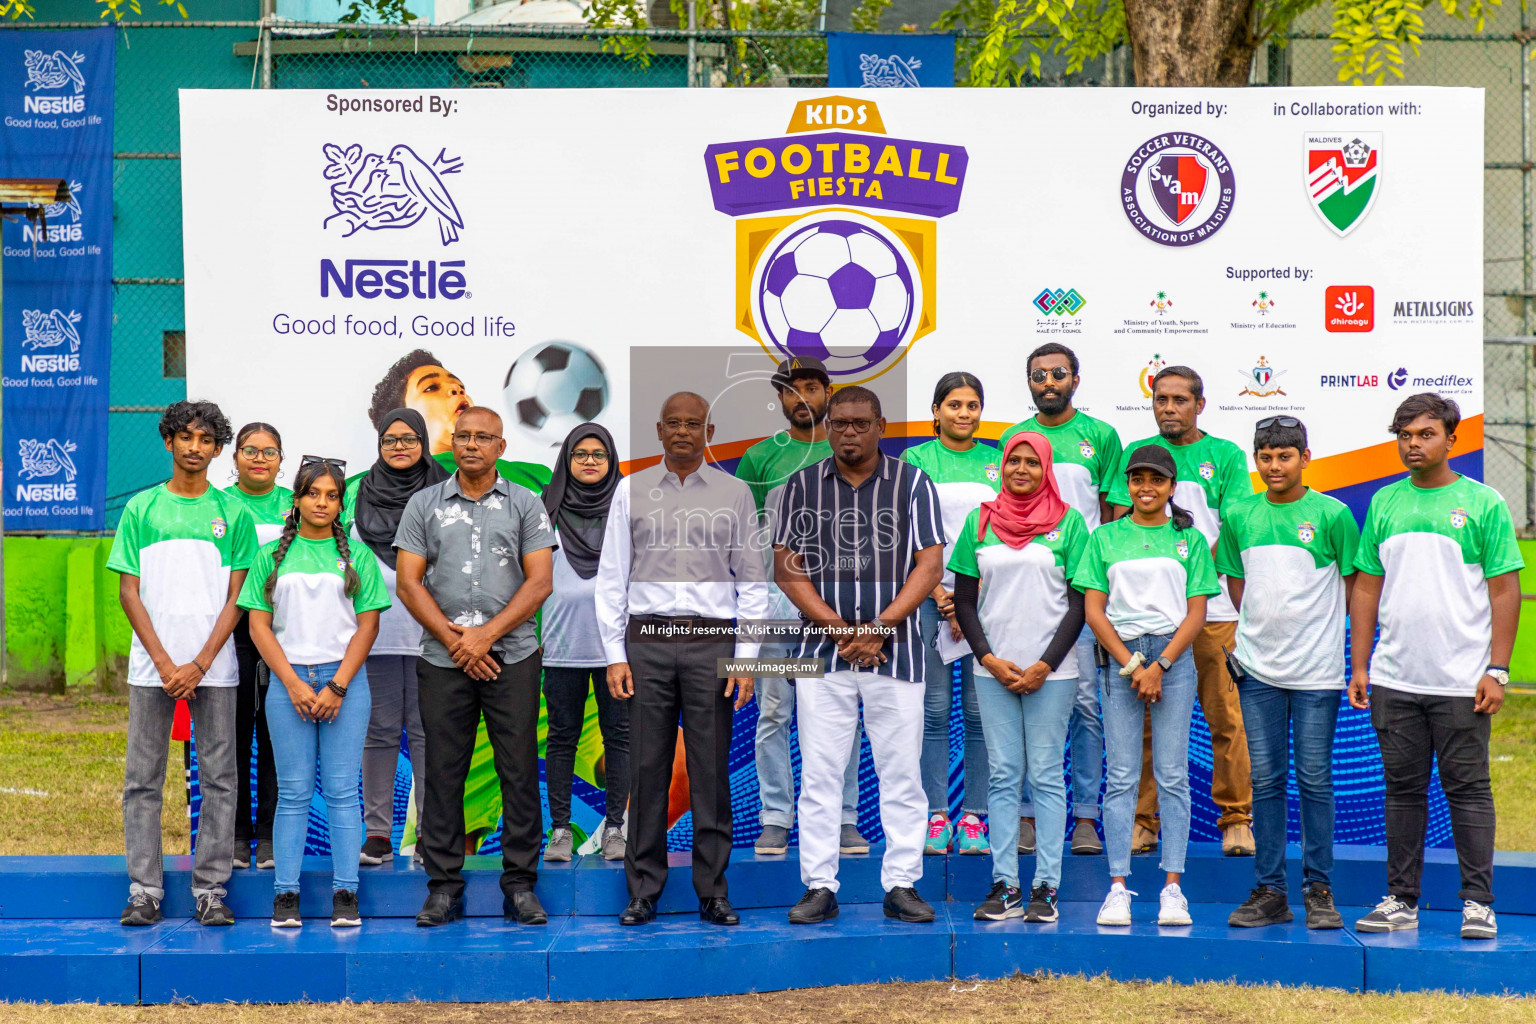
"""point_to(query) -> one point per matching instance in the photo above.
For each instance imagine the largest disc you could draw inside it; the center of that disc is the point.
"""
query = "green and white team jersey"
(1023, 592)
(1292, 559)
(765, 468)
(1085, 455)
(1213, 475)
(1149, 573)
(312, 616)
(1436, 548)
(183, 551)
(399, 633)
(268, 511)
(963, 479)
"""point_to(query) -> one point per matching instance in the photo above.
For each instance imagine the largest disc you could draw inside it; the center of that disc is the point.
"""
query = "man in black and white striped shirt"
(858, 546)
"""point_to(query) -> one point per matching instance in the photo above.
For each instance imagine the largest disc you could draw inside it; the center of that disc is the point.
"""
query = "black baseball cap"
(1154, 457)
(799, 366)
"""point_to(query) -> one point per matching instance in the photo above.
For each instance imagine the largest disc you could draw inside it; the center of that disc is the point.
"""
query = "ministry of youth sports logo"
(1178, 189)
(42, 458)
(391, 191)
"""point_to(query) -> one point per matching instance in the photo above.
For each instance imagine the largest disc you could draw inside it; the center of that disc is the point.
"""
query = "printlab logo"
(1349, 308)
(1259, 378)
(57, 229)
(893, 72)
(42, 459)
(53, 72)
(1148, 372)
(1178, 189)
(55, 329)
(1397, 378)
(1060, 302)
(391, 191)
(1161, 303)
(1342, 173)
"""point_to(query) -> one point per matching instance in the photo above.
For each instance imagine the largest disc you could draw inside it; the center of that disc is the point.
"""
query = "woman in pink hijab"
(1013, 563)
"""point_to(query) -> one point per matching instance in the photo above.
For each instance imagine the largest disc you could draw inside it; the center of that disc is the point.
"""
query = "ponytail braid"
(1182, 518)
(290, 531)
(353, 582)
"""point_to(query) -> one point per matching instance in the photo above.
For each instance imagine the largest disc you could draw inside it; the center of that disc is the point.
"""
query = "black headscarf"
(577, 509)
(385, 490)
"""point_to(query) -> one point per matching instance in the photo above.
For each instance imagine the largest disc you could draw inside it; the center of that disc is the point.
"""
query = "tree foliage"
(384, 12)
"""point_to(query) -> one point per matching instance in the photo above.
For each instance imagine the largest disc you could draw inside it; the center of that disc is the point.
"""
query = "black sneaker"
(904, 904)
(212, 911)
(376, 851)
(242, 857)
(285, 911)
(815, 906)
(344, 912)
(142, 909)
(1321, 913)
(1003, 902)
(1263, 906)
(264, 859)
(1042, 905)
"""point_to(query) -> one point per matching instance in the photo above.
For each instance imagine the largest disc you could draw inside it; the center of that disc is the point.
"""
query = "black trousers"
(1414, 730)
(451, 705)
(251, 720)
(677, 681)
(565, 703)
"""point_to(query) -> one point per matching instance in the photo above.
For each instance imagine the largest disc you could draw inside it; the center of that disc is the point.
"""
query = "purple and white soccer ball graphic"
(841, 291)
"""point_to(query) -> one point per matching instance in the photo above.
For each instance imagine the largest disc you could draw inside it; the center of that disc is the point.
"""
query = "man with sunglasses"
(474, 563)
(1085, 453)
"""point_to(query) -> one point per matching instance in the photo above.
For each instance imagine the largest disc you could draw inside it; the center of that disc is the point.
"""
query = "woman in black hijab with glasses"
(373, 504)
(577, 500)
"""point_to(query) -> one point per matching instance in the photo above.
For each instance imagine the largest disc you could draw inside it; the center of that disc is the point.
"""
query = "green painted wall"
(63, 625)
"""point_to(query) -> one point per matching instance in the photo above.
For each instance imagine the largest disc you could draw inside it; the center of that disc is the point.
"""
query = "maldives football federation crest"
(1342, 175)
(836, 235)
(1177, 189)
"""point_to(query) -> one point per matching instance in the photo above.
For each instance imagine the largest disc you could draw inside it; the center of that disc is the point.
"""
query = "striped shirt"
(858, 546)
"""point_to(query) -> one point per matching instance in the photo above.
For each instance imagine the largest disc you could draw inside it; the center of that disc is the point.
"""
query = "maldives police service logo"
(391, 191)
(1342, 174)
(1305, 532)
(57, 73)
(1181, 548)
(1458, 517)
(824, 266)
(1207, 470)
(1177, 189)
(220, 527)
(44, 458)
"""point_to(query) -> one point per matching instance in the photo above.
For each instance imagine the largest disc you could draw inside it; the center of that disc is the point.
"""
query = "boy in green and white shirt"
(1439, 570)
(182, 549)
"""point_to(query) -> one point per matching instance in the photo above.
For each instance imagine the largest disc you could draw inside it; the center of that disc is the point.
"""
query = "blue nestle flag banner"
(869, 60)
(56, 93)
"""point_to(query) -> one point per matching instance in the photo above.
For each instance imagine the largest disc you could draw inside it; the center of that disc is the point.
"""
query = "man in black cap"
(803, 389)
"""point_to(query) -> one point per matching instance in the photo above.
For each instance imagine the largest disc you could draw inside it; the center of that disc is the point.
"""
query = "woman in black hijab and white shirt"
(577, 500)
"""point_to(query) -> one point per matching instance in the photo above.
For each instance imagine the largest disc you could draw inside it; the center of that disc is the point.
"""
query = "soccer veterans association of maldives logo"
(836, 235)
(1178, 189)
(1342, 177)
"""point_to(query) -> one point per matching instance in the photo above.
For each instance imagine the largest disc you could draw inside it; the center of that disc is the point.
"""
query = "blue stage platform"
(60, 940)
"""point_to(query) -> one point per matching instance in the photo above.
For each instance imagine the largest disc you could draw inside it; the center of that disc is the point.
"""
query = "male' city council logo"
(391, 191)
(54, 70)
(1342, 173)
(1177, 189)
(1060, 302)
(45, 458)
(49, 330)
(893, 72)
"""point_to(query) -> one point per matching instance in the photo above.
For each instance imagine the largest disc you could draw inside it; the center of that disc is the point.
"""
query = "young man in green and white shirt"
(182, 549)
(1288, 555)
(1439, 572)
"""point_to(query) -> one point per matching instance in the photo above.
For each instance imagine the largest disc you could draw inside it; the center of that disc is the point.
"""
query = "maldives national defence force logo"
(57, 73)
(825, 267)
(1177, 189)
(1342, 172)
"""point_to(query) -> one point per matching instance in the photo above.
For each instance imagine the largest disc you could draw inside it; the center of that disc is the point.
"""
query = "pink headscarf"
(1018, 519)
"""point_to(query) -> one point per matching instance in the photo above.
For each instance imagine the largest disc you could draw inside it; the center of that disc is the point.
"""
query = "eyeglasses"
(597, 456)
(251, 452)
(337, 465)
(399, 441)
(1277, 421)
(843, 426)
(1056, 373)
(694, 425)
(481, 439)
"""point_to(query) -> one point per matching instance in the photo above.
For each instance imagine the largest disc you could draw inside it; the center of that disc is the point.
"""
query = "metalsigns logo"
(840, 278)
(1178, 189)
(1342, 177)
(42, 458)
(1349, 308)
(1060, 302)
(388, 192)
(1259, 379)
(57, 229)
(56, 72)
(54, 329)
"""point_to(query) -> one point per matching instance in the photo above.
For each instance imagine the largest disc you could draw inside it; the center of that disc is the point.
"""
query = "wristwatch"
(1499, 674)
(1163, 663)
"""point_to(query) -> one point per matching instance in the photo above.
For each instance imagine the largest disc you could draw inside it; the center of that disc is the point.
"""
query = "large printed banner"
(56, 94)
(572, 255)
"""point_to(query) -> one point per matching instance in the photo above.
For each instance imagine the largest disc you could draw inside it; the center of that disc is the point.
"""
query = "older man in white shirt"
(682, 567)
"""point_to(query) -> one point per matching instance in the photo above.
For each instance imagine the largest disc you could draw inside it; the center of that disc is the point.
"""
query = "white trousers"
(828, 710)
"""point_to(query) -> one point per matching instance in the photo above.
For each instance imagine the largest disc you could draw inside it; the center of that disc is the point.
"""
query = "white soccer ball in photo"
(552, 388)
(840, 290)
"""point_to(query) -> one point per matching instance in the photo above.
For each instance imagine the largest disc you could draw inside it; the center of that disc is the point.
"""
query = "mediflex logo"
(54, 72)
(393, 279)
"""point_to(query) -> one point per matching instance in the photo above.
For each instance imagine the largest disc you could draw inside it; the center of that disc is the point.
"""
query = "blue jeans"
(1086, 731)
(1272, 716)
(1124, 720)
(938, 702)
(1026, 731)
(337, 747)
(775, 774)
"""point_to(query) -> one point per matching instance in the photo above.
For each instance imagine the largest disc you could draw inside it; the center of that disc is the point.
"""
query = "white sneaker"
(1477, 921)
(1172, 907)
(1116, 911)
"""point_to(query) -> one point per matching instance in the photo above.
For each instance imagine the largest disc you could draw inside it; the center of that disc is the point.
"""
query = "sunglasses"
(1277, 421)
(1056, 373)
(339, 466)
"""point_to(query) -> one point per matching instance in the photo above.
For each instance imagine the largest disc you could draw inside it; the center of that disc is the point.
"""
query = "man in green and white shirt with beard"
(1288, 555)
(182, 549)
(1213, 475)
(1085, 454)
(1440, 572)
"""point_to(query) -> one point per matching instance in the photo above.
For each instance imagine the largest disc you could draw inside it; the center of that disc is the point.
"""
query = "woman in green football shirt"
(965, 473)
(314, 604)
(258, 464)
(1145, 580)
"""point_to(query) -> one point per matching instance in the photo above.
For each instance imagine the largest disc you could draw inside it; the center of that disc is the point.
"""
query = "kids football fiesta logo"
(839, 277)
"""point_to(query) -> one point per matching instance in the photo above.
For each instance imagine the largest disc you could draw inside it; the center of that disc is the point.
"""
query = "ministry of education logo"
(390, 191)
(1259, 378)
(1342, 172)
(1060, 302)
(1264, 303)
(1305, 532)
(1177, 189)
(43, 458)
(1458, 517)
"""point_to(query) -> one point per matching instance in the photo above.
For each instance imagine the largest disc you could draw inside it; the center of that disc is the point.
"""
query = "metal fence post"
(268, 16)
(693, 44)
(1525, 252)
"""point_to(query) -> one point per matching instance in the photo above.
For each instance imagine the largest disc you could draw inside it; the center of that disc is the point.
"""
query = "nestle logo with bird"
(399, 189)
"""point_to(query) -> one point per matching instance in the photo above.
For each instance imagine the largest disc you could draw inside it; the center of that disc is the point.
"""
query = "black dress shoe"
(523, 907)
(639, 911)
(904, 904)
(440, 908)
(717, 910)
(815, 906)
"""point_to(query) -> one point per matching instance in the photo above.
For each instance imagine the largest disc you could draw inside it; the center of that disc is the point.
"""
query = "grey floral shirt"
(474, 551)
